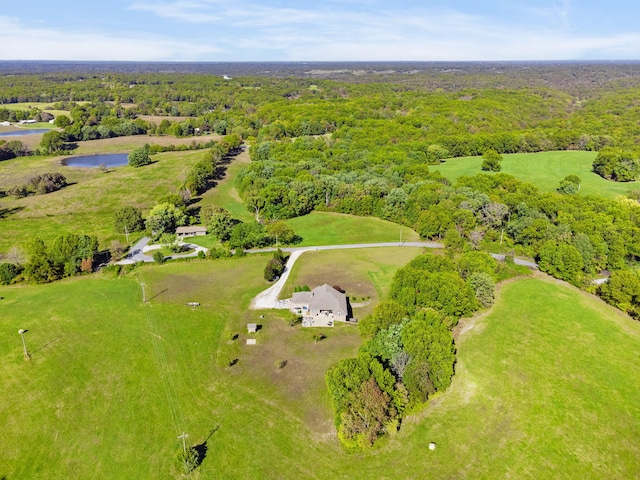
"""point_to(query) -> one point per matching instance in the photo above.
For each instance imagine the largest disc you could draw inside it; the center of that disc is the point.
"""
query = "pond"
(88, 161)
(18, 133)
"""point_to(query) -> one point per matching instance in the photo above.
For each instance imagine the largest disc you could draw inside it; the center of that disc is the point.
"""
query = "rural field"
(544, 170)
(545, 387)
(88, 203)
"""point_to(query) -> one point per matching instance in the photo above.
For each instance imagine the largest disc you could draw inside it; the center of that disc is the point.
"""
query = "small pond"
(87, 161)
(18, 133)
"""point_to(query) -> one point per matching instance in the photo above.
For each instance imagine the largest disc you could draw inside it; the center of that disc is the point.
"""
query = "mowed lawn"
(546, 386)
(544, 169)
(327, 228)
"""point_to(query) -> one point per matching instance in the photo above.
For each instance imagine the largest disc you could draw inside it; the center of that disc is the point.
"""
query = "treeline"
(409, 352)
(66, 256)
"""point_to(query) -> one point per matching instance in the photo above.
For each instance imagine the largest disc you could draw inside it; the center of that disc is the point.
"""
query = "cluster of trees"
(13, 149)
(409, 353)
(39, 185)
(67, 256)
(617, 164)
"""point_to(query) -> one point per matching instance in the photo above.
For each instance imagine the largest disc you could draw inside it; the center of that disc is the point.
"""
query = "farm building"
(193, 231)
(320, 307)
(5, 124)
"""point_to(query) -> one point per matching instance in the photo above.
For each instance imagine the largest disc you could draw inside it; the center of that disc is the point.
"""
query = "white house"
(5, 124)
(321, 307)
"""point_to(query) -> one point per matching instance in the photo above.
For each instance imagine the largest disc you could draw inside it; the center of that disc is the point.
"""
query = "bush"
(491, 161)
(8, 271)
(139, 157)
(158, 257)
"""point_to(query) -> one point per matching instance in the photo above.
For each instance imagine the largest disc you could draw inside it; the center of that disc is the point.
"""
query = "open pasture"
(546, 385)
(88, 203)
(545, 170)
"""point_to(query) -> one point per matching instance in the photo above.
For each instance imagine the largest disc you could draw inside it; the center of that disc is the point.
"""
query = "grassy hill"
(544, 169)
(546, 386)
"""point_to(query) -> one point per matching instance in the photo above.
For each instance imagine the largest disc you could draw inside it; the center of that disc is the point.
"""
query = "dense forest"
(329, 139)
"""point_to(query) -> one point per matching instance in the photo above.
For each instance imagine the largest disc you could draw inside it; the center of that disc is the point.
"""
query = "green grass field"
(87, 205)
(225, 193)
(327, 228)
(544, 169)
(546, 387)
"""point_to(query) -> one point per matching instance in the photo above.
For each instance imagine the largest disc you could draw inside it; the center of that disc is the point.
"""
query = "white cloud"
(190, 12)
(24, 43)
(251, 31)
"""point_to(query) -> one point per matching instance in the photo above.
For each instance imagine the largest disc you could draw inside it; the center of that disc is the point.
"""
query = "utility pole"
(400, 236)
(126, 232)
(24, 345)
(184, 441)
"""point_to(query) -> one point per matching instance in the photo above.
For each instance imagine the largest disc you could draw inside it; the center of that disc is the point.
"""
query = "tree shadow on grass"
(5, 212)
(201, 449)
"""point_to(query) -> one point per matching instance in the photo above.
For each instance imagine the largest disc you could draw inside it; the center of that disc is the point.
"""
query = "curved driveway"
(269, 298)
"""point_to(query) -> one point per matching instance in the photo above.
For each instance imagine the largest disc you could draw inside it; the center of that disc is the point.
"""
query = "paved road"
(136, 253)
(269, 297)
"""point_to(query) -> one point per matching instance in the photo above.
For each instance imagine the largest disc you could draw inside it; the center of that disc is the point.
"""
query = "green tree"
(158, 256)
(484, 286)
(427, 338)
(8, 271)
(617, 164)
(385, 314)
(62, 121)
(569, 185)
(218, 221)
(281, 232)
(165, 217)
(561, 260)
(52, 142)
(367, 413)
(129, 218)
(622, 290)
(139, 157)
(491, 161)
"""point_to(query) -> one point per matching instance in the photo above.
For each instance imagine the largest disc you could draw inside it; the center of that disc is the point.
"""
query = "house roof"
(326, 297)
(192, 229)
(301, 297)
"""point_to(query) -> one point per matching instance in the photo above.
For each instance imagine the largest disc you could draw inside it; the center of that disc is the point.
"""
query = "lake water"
(19, 133)
(110, 160)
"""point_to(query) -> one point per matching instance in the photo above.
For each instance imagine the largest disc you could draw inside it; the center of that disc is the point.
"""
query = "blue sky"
(329, 30)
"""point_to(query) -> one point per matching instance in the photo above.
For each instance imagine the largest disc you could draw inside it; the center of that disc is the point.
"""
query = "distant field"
(44, 106)
(87, 205)
(326, 228)
(125, 144)
(544, 169)
(546, 386)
